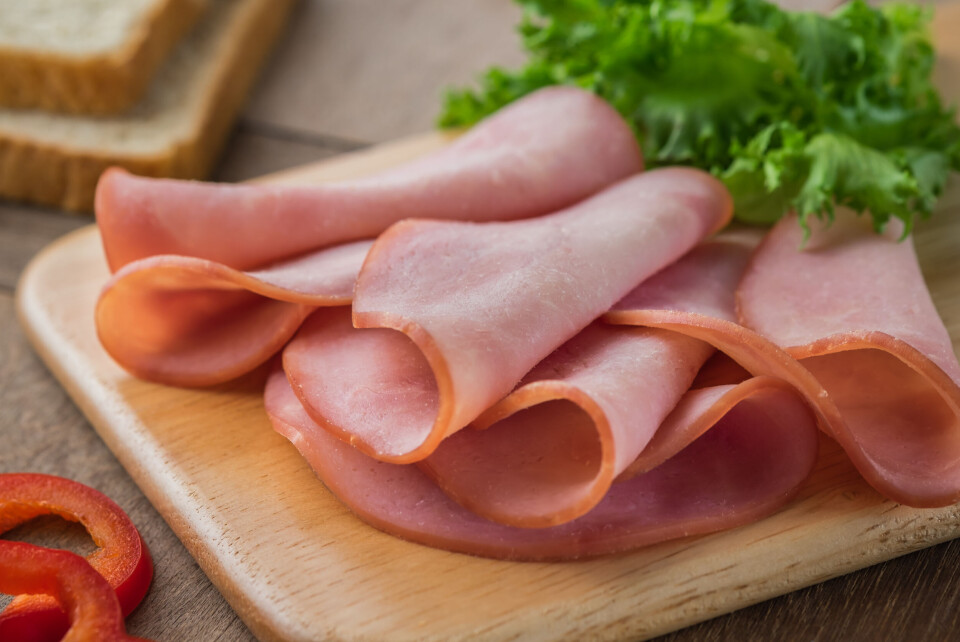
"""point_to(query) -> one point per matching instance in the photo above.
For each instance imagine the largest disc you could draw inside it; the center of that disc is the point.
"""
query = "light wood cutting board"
(295, 564)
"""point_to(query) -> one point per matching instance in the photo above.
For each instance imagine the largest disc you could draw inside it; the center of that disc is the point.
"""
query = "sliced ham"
(538, 155)
(549, 451)
(611, 403)
(192, 302)
(746, 354)
(747, 466)
(535, 478)
(452, 315)
(852, 306)
(192, 322)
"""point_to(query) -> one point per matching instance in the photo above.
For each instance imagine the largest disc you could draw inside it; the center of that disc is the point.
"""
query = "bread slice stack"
(151, 85)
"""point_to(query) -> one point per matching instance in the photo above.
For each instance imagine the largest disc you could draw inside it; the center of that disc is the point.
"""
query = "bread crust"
(65, 175)
(103, 83)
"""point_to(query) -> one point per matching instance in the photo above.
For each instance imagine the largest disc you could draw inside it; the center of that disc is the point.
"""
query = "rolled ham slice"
(452, 315)
(611, 403)
(192, 322)
(192, 302)
(745, 353)
(852, 306)
(549, 451)
(747, 466)
(542, 153)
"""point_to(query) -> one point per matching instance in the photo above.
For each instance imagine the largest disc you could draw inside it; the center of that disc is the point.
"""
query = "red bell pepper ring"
(122, 558)
(92, 604)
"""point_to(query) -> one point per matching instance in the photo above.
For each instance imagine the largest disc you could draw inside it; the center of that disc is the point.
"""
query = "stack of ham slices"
(526, 347)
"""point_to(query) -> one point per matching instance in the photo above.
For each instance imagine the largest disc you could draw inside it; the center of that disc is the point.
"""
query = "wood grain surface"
(914, 597)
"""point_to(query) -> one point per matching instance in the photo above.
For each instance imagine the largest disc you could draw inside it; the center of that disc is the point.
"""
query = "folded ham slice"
(542, 461)
(181, 309)
(612, 402)
(747, 466)
(452, 315)
(548, 452)
(192, 322)
(548, 150)
(853, 307)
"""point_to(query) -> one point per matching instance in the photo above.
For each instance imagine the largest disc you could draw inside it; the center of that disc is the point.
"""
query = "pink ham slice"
(181, 311)
(549, 451)
(746, 353)
(452, 315)
(853, 307)
(611, 402)
(192, 322)
(542, 153)
(749, 465)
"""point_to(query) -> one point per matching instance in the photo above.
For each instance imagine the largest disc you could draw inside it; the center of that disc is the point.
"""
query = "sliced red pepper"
(122, 558)
(70, 580)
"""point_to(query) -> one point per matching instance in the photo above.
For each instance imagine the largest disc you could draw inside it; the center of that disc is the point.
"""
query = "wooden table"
(351, 73)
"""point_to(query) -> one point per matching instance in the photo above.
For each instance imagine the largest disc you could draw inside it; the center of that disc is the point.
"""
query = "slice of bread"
(87, 56)
(177, 130)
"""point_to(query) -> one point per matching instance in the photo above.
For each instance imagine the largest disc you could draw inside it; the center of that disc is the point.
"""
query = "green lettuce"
(793, 111)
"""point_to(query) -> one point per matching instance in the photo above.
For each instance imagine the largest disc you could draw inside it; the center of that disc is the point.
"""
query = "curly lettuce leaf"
(793, 111)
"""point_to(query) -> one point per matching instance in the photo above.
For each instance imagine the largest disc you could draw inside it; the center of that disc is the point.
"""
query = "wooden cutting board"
(295, 564)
